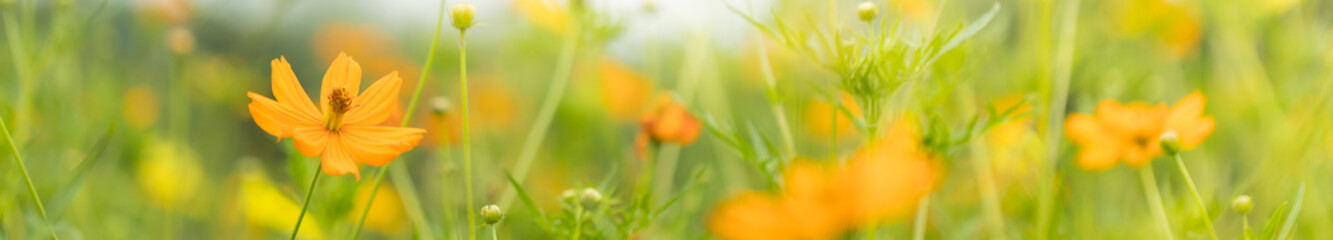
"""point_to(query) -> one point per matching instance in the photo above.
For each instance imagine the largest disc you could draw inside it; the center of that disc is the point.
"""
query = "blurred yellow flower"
(347, 133)
(1131, 132)
(882, 182)
(169, 174)
(545, 14)
(1171, 22)
(266, 207)
(140, 107)
(625, 93)
(386, 216)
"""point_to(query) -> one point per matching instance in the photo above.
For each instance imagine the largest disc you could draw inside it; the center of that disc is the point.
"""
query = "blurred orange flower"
(1131, 132)
(671, 122)
(882, 182)
(140, 107)
(347, 133)
(624, 92)
(803, 212)
(819, 117)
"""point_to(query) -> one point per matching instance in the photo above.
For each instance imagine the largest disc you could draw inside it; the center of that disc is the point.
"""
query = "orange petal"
(336, 161)
(1098, 157)
(1086, 130)
(1186, 118)
(376, 145)
(275, 118)
(377, 103)
(1138, 156)
(288, 90)
(1192, 135)
(345, 73)
(310, 141)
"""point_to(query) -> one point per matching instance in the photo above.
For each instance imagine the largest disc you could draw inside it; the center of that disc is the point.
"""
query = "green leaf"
(1291, 217)
(1270, 227)
(66, 195)
(698, 174)
(527, 201)
(967, 32)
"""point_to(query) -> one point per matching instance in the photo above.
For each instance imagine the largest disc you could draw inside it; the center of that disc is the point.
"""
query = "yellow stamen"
(339, 103)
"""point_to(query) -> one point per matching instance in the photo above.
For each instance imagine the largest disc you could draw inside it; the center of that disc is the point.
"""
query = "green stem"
(771, 88)
(1198, 200)
(494, 234)
(306, 205)
(407, 118)
(919, 225)
(1063, 65)
(547, 112)
(1154, 199)
(578, 224)
(18, 159)
(467, 139)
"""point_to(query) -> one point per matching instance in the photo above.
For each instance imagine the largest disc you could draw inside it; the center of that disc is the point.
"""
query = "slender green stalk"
(411, 202)
(306, 205)
(919, 225)
(467, 139)
(578, 224)
(18, 159)
(1155, 199)
(554, 94)
(1063, 67)
(1198, 200)
(994, 215)
(495, 235)
(407, 118)
(779, 112)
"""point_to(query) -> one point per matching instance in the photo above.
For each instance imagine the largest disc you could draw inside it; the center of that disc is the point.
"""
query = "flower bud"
(569, 196)
(867, 11)
(491, 214)
(591, 198)
(440, 105)
(463, 14)
(1170, 142)
(1242, 204)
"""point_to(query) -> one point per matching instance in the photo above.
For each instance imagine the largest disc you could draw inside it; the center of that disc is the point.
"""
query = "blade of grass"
(62, 199)
(527, 200)
(1291, 217)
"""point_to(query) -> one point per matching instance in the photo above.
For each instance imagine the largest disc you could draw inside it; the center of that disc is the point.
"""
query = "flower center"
(339, 103)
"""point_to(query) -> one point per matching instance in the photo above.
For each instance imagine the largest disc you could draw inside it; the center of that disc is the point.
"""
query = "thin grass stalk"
(550, 104)
(407, 118)
(1155, 200)
(1063, 68)
(32, 191)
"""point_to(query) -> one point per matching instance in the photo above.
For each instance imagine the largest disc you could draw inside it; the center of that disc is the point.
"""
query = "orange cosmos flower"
(882, 182)
(1131, 132)
(671, 122)
(804, 211)
(343, 130)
